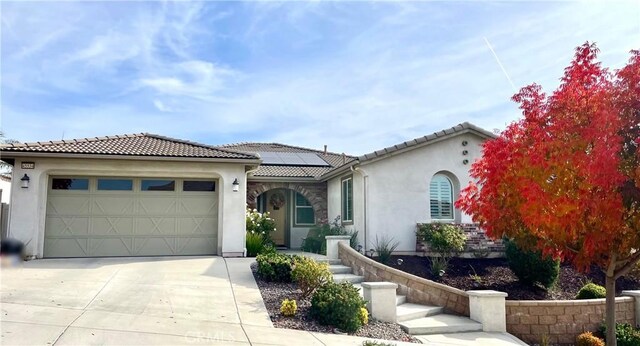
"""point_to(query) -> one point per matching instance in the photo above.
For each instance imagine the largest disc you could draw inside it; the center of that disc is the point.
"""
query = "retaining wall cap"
(486, 293)
(338, 237)
(634, 293)
(379, 285)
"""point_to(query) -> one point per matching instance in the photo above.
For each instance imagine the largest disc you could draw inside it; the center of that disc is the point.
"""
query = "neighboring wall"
(417, 289)
(398, 188)
(28, 209)
(562, 320)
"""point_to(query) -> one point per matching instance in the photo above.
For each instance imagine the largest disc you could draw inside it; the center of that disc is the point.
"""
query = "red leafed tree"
(565, 178)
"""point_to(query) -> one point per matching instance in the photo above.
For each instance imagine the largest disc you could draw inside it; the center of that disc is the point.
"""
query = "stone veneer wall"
(562, 320)
(418, 290)
(478, 245)
(315, 193)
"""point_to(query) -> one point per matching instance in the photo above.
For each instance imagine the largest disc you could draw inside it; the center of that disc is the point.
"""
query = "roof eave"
(18, 154)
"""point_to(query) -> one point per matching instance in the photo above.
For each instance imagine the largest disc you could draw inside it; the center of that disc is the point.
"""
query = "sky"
(356, 76)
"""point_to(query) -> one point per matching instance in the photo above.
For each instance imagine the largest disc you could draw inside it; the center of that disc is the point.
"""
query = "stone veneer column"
(488, 307)
(636, 297)
(332, 244)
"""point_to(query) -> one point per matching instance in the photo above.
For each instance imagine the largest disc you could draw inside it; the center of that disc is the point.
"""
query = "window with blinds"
(441, 197)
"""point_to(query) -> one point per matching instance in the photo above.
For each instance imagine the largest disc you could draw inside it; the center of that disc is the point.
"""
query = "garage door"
(100, 216)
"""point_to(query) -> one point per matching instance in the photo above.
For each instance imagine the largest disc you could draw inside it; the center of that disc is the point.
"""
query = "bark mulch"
(274, 293)
(494, 274)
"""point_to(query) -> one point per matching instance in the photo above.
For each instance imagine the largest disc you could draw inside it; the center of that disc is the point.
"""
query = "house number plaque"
(28, 165)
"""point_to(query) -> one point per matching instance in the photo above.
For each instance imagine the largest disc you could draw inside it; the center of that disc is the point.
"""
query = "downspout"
(246, 183)
(365, 187)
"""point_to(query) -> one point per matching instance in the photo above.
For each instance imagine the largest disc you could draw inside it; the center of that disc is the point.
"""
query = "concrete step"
(340, 269)
(440, 324)
(401, 300)
(408, 311)
(330, 261)
(354, 279)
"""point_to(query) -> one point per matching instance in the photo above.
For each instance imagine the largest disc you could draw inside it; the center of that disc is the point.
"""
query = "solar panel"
(291, 159)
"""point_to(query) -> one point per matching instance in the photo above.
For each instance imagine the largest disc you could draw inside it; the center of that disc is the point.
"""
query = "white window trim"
(453, 209)
(343, 210)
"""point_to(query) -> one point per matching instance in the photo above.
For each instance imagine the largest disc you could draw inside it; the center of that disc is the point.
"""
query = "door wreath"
(277, 200)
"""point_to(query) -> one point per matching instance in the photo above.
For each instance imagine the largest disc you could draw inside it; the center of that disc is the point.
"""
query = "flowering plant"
(260, 223)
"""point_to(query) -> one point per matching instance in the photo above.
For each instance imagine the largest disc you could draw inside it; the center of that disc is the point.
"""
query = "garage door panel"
(67, 226)
(112, 226)
(113, 205)
(130, 223)
(68, 205)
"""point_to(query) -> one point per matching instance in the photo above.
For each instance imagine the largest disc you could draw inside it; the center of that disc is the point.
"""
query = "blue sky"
(357, 76)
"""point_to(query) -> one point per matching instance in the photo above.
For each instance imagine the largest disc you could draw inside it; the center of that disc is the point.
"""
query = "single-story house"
(144, 194)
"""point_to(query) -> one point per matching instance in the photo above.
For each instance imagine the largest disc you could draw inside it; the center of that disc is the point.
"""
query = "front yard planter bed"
(496, 275)
(273, 293)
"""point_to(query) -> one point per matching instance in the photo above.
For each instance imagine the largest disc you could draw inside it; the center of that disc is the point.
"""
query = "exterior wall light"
(24, 182)
(236, 185)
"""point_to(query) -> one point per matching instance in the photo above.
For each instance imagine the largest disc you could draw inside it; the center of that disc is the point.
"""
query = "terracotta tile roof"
(141, 144)
(333, 159)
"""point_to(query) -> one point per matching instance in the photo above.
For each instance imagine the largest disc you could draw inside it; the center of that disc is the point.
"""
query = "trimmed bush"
(309, 275)
(447, 240)
(338, 305)
(588, 339)
(275, 266)
(288, 307)
(530, 266)
(591, 291)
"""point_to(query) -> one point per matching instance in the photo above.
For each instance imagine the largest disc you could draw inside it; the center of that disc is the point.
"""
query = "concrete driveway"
(159, 300)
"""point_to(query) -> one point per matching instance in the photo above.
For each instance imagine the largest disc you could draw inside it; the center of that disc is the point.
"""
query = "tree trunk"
(610, 317)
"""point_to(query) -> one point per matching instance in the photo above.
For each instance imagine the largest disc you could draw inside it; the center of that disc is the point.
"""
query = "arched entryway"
(295, 207)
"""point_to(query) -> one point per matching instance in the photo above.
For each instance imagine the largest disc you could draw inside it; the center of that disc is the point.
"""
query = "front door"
(278, 212)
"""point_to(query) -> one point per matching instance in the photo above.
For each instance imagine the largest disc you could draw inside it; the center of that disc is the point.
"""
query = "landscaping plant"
(588, 339)
(384, 247)
(364, 316)
(444, 239)
(530, 266)
(254, 243)
(626, 334)
(260, 223)
(315, 241)
(275, 266)
(288, 307)
(592, 291)
(338, 305)
(565, 179)
(309, 275)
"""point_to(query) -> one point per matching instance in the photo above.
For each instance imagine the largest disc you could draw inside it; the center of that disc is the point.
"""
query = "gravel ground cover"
(273, 293)
(495, 274)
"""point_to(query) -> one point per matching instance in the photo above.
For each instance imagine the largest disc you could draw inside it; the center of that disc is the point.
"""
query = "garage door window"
(115, 184)
(70, 184)
(158, 185)
(198, 185)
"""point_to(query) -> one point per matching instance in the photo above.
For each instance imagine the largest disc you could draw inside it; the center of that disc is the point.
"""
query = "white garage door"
(96, 216)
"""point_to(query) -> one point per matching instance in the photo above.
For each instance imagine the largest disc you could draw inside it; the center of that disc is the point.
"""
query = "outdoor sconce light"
(236, 185)
(25, 181)
(400, 261)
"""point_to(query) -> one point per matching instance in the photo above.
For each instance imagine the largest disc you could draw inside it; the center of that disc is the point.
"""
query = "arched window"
(441, 196)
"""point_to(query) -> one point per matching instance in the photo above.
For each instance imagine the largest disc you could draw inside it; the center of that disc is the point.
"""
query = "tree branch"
(632, 260)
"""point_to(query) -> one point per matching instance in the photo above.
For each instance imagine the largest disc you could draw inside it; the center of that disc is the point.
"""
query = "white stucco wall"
(398, 188)
(334, 202)
(28, 206)
(5, 187)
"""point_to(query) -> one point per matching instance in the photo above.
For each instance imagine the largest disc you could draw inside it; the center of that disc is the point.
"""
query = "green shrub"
(588, 339)
(530, 266)
(626, 335)
(288, 307)
(376, 343)
(315, 241)
(254, 243)
(309, 275)
(384, 248)
(591, 291)
(338, 305)
(275, 266)
(444, 239)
